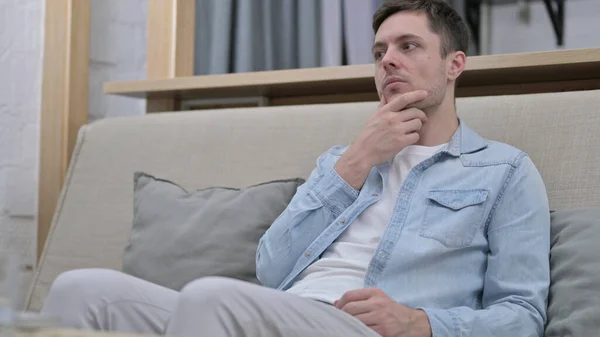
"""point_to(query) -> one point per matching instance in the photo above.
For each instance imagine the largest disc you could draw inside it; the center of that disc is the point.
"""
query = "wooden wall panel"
(170, 46)
(64, 102)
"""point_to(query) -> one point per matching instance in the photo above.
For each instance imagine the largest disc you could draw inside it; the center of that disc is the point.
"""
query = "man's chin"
(390, 94)
(425, 105)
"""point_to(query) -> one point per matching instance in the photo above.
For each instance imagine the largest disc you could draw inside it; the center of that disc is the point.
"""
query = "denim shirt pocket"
(452, 217)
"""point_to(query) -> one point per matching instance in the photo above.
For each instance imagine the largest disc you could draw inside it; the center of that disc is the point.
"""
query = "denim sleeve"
(316, 204)
(517, 279)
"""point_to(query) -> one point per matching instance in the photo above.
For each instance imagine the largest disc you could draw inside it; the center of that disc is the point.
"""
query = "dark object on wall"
(557, 16)
(556, 12)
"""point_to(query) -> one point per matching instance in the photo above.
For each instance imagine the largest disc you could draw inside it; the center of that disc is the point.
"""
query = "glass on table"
(12, 295)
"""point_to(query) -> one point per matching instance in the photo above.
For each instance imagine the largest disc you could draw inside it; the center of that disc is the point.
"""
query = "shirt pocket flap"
(458, 199)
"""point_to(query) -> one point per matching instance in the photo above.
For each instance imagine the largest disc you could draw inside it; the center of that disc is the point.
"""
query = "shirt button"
(343, 221)
(307, 253)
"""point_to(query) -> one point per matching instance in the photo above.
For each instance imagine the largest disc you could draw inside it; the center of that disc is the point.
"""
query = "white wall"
(117, 53)
(21, 45)
(510, 35)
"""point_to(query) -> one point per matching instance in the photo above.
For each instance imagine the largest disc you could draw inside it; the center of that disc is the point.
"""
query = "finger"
(382, 102)
(413, 125)
(402, 101)
(353, 296)
(412, 138)
(358, 307)
(369, 319)
(412, 113)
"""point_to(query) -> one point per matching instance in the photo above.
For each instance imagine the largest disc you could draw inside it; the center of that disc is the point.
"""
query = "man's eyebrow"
(403, 37)
(377, 45)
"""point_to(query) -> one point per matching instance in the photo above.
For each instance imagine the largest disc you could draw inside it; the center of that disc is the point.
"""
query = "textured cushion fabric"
(179, 236)
(574, 301)
(246, 146)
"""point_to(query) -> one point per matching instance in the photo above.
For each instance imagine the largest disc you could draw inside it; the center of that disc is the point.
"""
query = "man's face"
(407, 58)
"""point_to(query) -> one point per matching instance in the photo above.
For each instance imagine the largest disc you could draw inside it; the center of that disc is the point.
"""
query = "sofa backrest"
(240, 147)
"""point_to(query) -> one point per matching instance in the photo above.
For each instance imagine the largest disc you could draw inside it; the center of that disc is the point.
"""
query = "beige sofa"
(240, 147)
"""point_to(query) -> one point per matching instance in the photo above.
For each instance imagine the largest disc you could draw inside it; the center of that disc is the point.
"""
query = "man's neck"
(441, 124)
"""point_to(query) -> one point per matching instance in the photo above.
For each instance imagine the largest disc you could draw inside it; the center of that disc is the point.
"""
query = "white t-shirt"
(344, 264)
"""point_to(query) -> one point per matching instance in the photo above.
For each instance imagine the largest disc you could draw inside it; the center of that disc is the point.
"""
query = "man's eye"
(378, 55)
(409, 46)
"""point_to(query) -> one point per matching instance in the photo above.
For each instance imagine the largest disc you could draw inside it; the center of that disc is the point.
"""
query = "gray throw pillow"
(574, 301)
(179, 236)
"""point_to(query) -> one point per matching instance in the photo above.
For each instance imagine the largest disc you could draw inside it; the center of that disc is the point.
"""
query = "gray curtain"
(358, 20)
(332, 46)
(235, 36)
(213, 33)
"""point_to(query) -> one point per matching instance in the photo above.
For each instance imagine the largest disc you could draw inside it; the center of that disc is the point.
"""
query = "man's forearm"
(353, 168)
(316, 204)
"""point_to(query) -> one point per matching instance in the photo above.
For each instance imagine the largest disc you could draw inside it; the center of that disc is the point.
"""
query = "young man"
(418, 228)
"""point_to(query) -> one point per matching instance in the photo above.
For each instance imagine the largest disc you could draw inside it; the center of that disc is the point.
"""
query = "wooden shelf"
(563, 70)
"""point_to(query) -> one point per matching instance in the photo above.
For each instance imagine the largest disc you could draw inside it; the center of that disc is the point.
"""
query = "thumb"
(382, 101)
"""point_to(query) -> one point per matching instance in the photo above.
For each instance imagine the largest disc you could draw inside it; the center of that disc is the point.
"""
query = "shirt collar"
(465, 140)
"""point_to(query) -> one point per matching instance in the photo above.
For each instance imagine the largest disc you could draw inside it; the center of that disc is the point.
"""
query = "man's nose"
(390, 61)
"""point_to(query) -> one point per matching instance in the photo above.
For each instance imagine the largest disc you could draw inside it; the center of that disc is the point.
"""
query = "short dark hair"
(443, 20)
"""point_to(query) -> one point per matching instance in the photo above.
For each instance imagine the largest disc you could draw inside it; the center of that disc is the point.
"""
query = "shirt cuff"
(442, 322)
(334, 192)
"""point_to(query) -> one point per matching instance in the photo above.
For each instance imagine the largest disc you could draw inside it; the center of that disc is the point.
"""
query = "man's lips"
(392, 80)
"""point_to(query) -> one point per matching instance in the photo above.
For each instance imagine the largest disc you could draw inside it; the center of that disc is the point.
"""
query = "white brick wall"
(117, 53)
(21, 25)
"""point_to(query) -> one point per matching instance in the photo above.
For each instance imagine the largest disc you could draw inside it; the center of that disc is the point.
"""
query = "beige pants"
(101, 299)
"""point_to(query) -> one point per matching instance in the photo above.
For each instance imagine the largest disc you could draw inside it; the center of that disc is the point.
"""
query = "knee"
(80, 286)
(81, 281)
(71, 283)
(211, 289)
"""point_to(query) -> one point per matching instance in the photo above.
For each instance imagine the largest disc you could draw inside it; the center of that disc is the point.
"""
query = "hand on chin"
(392, 93)
(397, 89)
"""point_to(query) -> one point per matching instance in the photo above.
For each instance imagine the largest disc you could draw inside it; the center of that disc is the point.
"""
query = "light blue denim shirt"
(468, 241)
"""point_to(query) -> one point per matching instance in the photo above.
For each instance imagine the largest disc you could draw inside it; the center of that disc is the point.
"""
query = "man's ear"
(456, 64)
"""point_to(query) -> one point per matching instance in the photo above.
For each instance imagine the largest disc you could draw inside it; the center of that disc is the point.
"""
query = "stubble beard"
(434, 99)
(435, 95)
